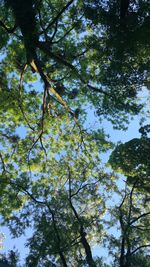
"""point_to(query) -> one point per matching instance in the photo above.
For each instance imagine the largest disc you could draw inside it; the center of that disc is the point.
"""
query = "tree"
(132, 159)
(59, 197)
(133, 244)
(57, 59)
(52, 51)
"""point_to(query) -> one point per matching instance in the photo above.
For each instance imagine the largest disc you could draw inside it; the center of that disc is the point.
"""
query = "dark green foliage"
(133, 159)
(10, 260)
(132, 155)
(109, 65)
(25, 18)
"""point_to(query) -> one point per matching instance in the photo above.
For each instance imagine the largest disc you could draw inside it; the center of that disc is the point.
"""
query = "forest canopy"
(63, 67)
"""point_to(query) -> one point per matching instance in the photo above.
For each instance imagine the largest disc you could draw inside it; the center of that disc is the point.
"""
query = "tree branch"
(67, 32)
(131, 202)
(144, 246)
(60, 59)
(7, 29)
(55, 31)
(139, 217)
(84, 241)
(59, 14)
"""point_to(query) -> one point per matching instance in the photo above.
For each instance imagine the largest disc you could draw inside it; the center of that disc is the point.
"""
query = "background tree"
(132, 216)
(132, 159)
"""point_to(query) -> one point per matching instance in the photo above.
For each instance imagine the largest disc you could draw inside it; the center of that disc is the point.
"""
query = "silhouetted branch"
(143, 246)
(6, 28)
(59, 14)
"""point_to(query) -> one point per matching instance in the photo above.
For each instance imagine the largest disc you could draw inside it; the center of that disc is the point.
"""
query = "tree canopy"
(63, 65)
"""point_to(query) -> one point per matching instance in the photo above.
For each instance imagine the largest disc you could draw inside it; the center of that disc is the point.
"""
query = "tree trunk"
(87, 249)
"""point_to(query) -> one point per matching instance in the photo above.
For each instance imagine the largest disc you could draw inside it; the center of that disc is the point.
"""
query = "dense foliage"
(63, 64)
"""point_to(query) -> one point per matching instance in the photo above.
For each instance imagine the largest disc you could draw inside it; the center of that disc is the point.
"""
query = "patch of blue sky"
(10, 243)
(21, 131)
